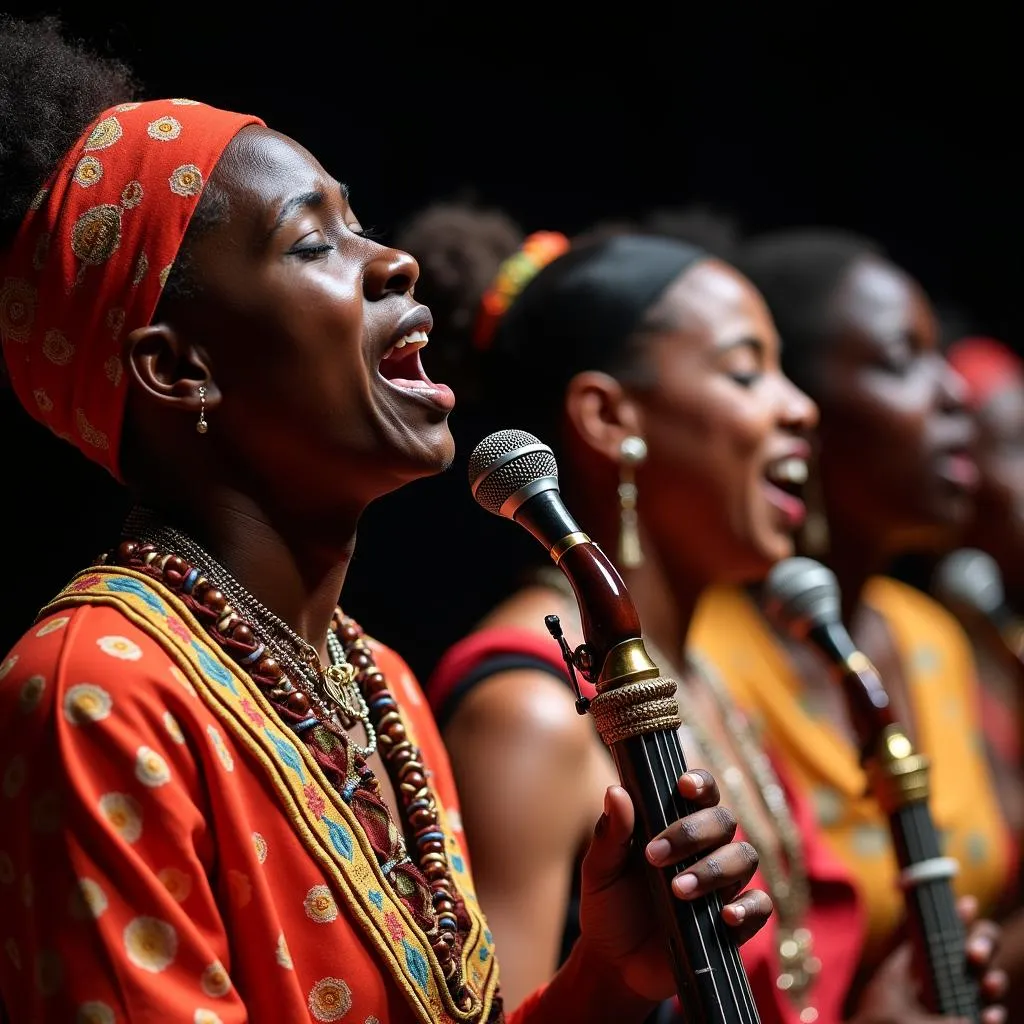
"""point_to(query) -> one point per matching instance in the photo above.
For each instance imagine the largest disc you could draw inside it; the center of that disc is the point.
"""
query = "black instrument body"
(710, 978)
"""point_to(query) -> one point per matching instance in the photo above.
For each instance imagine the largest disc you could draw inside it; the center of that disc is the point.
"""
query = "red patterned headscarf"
(987, 366)
(92, 256)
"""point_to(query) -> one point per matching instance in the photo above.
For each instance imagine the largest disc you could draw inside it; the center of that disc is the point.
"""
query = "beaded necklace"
(426, 887)
(328, 688)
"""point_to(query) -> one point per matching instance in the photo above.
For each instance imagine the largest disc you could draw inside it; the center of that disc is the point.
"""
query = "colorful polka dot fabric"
(168, 852)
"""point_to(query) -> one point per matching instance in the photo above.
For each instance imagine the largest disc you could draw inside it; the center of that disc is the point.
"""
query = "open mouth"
(788, 474)
(401, 367)
(785, 479)
(957, 466)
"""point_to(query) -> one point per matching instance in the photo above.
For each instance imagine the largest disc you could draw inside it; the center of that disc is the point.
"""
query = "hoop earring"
(202, 426)
(633, 451)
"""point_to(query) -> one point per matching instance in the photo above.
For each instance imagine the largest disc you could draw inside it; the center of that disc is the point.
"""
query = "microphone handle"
(637, 716)
(898, 777)
(710, 978)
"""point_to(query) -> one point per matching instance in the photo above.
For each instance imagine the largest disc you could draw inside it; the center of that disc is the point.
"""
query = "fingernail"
(697, 780)
(739, 911)
(980, 948)
(607, 802)
(658, 850)
(684, 884)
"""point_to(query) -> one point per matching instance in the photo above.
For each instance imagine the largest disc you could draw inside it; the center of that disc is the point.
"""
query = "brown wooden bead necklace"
(241, 640)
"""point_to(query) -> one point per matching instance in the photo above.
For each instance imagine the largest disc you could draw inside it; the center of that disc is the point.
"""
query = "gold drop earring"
(632, 451)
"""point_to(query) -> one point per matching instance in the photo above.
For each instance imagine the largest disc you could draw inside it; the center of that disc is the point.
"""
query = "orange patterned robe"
(169, 850)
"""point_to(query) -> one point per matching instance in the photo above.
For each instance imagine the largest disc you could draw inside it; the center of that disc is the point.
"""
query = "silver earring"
(632, 451)
(202, 426)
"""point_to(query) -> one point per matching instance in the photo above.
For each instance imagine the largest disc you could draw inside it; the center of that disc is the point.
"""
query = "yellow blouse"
(730, 632)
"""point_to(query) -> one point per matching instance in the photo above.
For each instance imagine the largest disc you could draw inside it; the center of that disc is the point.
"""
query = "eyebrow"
(304, 200)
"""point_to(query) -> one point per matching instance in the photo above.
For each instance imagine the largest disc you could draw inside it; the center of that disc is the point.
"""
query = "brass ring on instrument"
(569, 541)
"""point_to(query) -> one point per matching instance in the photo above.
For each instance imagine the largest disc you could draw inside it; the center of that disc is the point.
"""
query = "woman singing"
(893, 472)
(221, 802)
(651, 366)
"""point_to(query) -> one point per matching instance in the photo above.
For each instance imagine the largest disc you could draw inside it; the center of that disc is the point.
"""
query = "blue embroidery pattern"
(124, 585)
(220, 687)
(416, 963)
(286, 752)
(341, 838)
(214, 669)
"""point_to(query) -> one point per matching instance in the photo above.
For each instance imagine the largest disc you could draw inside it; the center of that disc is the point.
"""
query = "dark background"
(885, 121)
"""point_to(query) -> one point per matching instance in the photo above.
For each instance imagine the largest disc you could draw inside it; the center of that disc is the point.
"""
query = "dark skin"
(287, 335)
(997, 525)
(708, 396)
(895, 467)
(895, 473)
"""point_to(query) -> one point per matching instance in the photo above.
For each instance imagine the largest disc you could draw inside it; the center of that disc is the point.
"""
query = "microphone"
(801, 599)
(969, 583)
(514, 475)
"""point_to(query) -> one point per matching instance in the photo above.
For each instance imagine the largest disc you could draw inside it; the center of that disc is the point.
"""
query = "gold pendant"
(338, 681)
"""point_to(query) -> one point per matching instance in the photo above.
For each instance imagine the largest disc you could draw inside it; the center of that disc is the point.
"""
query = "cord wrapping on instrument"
(636, 709)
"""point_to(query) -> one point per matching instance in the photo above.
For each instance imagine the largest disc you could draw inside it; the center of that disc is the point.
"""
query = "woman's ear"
(602, 413)
(168, 369)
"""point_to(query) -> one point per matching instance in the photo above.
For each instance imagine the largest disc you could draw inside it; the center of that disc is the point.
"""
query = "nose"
(391, 272)
(952, 388)
(798, 411)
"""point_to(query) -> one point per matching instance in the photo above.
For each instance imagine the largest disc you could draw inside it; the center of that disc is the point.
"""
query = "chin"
(432, 452)
(757, 560)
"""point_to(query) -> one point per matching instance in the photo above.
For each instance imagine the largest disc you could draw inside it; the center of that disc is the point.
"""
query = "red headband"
(536, 252)
(92, 256)
(987, 366)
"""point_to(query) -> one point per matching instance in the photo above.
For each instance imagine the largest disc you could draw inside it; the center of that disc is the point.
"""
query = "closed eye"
(311, 252)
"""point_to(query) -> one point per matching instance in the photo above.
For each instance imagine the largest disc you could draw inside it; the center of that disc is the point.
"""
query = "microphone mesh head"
(495, 481)
(800, 593)
(970, 579)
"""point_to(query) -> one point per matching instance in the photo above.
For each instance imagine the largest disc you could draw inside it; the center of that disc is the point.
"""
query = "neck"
(664, 600)
(665, 606)
(854, 561)
(297, 570)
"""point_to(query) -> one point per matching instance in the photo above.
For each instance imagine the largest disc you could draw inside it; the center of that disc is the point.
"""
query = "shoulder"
(401, 680)
(914, 612)
(88, 642)
(729, 635)
(896, 599)
(932, 642)
(87, 663)
(721, 613)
